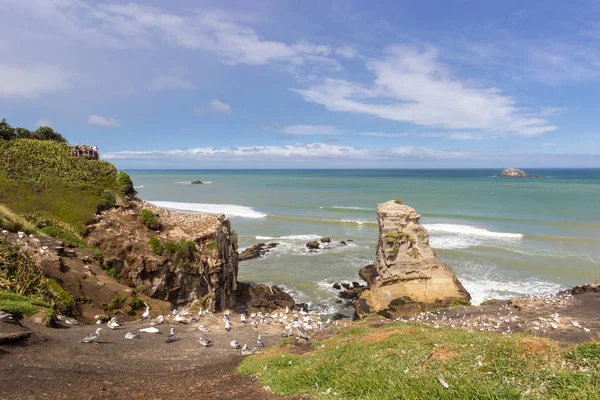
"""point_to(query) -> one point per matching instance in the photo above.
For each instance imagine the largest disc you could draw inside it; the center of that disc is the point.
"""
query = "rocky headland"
(407, 276)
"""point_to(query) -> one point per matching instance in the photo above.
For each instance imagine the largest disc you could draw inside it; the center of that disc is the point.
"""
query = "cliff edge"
(407, 276)
(176, 257)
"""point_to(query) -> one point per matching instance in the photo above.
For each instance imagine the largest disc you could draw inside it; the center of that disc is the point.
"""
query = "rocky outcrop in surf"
(193, 256)
(407, 276)
(256, 251)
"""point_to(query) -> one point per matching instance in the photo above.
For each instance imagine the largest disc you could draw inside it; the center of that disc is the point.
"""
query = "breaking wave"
(227, 209)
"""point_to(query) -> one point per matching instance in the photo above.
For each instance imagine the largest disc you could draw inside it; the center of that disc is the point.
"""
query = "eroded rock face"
(208, 274)
(407, 276)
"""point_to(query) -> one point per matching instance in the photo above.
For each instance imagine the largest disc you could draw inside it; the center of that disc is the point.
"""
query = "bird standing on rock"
(227, 326)
(243, 318)
(146, 314)
(92, 337)
(259, 341)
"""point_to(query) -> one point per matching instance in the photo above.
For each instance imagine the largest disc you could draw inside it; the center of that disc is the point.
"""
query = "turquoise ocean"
(503, 237)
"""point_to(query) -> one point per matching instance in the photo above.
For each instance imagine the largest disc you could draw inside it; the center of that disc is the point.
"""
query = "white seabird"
(146, 314)
(205, 342)
(227, 325)
(202, 328)
(235, 344)
(302, 333)
(6, 317)
(171, 337)
(71, 321)
(151, 329)
(158, 320)
(243, 318)
(259, 341)
(131, 335)
(246, 351)
(113, 325)
(92, 337)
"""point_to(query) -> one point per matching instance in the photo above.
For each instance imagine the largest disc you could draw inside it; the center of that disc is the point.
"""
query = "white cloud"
(165, 82)
(346, 52)
(384, 134)
(307, 129)
(103, 121)
(132, 25)
(298, 151)
(413, 86)
(220, 107)
(31, 81)
(43, 122)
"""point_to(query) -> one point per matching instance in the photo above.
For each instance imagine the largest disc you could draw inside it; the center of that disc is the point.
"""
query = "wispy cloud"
(298, 151)
(31, 81)
(131, 25)
(346, 52)
(384, 134)
(413, 86)
(301, 130)
(103, 121)
(220, 107)
(166, 82)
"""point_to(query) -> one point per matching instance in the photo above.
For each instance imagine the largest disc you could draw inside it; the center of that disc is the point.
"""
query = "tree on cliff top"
(7, 132)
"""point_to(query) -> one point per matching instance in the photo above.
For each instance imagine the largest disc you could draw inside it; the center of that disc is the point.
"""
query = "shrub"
(150, 219)
(112, 272)
(107, 200)
(156, 246)
(63, 235)
(116, 302)
(212, 246)
(183, 253)
(125, 184)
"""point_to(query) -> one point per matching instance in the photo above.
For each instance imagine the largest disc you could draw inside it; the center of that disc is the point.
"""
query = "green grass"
(460, 302)
(15, 223)
(391, 237)
(404, 361)
(489, 301)
(21, 306)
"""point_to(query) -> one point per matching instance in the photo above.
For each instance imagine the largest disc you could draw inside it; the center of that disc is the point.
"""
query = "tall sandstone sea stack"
(407, 276)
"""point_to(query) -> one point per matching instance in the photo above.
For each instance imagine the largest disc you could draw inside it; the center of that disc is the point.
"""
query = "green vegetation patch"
(460, 302)
(183, 254)
(14, 223)
(72, 204)
(411, 361)
(125, 184)
(392, 237)
(156, 246)
(150, 219)
(21, 306)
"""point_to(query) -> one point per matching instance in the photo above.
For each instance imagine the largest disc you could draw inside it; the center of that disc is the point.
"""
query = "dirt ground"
(53, 364)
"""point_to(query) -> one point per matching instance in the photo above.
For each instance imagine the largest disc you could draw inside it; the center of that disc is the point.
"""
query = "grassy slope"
(404, 361)
(41, 177)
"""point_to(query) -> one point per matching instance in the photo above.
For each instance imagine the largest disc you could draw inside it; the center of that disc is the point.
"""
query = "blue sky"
(304, 84)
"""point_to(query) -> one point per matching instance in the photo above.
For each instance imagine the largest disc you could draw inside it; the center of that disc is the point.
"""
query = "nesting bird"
(202, 328)
(246, 351)
(151, 329)
(235, 344)
(227, 325)
(131, 335)
(259, 341)
(205, 342)
(6, 317)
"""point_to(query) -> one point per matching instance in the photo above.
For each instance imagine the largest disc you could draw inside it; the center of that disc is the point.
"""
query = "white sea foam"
(453, 242)
(291, 237)
(469, 230)
(137, 187)
(484, 289)
(358, 222)
(352, 208)
(227, 209)
(189, 182)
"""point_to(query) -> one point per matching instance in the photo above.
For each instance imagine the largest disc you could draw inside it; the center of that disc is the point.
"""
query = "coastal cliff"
(176, 257)
(407, 276)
